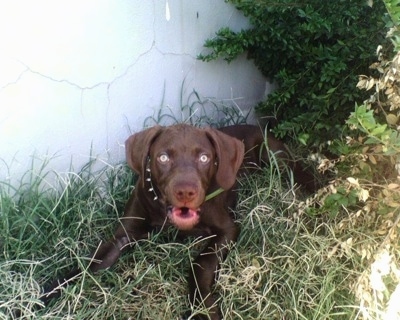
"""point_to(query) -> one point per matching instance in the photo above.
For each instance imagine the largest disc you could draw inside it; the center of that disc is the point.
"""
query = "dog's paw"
(185, 316)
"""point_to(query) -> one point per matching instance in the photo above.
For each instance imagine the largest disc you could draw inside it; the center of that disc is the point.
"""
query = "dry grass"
(290, 262)
(281, 267)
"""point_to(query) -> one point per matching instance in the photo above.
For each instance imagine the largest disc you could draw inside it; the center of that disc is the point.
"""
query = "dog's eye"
(204, 158)
(163, 158)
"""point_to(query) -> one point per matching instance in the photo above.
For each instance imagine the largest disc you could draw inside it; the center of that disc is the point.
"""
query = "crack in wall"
(18, 78)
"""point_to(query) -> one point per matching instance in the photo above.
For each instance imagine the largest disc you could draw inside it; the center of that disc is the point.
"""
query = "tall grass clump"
(290, 262)
(281, 268)
(199, 111)
(51, 220)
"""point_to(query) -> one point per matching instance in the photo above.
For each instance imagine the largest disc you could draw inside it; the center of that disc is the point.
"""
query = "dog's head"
(180, 163)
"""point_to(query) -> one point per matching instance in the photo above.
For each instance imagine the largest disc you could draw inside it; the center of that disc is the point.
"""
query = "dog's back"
(259, 145)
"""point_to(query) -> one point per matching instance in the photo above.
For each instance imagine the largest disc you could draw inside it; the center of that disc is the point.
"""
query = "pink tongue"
(184, 218)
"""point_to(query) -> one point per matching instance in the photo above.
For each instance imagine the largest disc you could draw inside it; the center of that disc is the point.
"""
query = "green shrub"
(314, 50)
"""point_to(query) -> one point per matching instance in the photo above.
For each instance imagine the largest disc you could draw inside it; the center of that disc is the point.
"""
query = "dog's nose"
(185, 192)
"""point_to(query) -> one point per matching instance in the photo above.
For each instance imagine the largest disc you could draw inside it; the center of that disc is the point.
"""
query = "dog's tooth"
(148, 179)
(155, 198)
(148, 169)
(151, 189)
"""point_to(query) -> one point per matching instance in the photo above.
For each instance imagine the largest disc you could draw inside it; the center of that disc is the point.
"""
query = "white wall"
(76, 75)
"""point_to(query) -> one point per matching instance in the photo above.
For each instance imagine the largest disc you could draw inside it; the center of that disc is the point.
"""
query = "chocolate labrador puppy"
(186, 180)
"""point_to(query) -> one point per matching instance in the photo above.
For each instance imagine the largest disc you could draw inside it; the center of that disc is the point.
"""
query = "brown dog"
(186, 180)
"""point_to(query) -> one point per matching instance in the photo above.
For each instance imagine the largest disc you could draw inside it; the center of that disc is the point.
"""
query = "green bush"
(314, 51)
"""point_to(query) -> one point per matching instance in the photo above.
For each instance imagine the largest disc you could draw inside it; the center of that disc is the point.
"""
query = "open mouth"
(182, 217)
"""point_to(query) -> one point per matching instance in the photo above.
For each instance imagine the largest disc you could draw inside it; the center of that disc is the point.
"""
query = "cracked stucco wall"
(77, 77)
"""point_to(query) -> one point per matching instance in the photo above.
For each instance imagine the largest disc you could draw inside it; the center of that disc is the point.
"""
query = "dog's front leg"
(204, 270)
(109, 252)
(133, 227)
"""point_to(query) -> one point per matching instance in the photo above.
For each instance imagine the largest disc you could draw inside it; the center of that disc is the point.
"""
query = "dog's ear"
(230, 152)
(137, 148)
